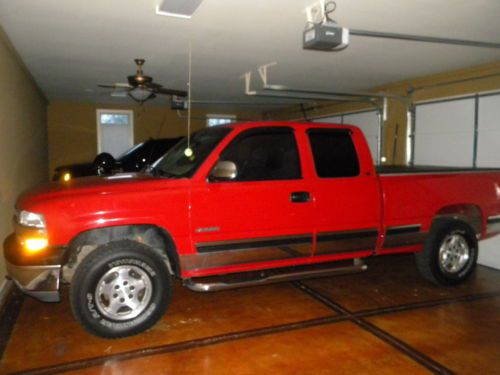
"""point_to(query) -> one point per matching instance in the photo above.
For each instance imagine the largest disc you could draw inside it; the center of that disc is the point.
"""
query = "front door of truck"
(346, 193)
(263, 215)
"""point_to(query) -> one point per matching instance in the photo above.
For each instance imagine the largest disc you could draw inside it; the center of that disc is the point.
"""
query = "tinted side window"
(334, 153)
(265, 154)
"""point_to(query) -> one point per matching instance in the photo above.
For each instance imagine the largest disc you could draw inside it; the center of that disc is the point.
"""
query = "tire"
(450, 253)
(120, 289)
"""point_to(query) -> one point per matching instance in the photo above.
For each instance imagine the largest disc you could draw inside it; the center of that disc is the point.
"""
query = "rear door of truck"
(346, 192)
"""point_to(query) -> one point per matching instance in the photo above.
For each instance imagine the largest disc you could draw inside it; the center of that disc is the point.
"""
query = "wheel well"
(155, 237)
(468, 213)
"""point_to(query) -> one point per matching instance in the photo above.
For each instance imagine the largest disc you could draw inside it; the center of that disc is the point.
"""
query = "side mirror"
(104, 163)
(224, 171)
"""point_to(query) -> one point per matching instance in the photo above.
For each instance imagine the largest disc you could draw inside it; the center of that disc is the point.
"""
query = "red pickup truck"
(241, 205)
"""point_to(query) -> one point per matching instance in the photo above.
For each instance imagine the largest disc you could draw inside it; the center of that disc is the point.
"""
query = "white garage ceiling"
(71, 46)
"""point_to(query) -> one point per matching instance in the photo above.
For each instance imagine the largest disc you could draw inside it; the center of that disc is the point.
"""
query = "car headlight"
(31, 219)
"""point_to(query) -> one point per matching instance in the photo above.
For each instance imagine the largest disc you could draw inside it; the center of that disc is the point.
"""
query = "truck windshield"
(177, 164)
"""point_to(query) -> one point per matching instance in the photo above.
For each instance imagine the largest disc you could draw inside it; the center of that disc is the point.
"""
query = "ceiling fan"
(141, 87)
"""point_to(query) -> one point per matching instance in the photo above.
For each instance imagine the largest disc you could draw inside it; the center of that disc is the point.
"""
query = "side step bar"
(216, 283)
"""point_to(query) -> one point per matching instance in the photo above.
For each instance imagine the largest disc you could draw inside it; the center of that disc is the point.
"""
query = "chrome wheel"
(123, 292)
(454, 253)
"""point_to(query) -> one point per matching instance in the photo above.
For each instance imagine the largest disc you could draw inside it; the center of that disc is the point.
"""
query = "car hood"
(123, 182)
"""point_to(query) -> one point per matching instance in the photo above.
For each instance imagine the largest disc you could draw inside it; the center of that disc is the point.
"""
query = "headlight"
(66, 176)
(31, 219)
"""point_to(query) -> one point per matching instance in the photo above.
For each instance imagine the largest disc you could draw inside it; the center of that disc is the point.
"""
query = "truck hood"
(90, 185)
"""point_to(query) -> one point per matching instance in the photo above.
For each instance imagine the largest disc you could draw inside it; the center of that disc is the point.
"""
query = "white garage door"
(367, 121)
(445, 135)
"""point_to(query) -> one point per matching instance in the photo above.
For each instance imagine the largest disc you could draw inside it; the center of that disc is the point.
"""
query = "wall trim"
(5, 289)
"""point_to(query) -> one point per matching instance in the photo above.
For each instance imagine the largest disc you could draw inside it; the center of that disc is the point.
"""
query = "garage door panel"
(451, 150)
(450, 116)
(488, 145)
(489, 112)
(488, 154)
(444, 133)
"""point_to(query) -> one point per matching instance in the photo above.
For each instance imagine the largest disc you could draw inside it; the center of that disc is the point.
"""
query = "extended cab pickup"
(241, 205)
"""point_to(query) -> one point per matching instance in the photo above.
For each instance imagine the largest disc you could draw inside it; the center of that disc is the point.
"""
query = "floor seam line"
(187, 345)
(393, 341)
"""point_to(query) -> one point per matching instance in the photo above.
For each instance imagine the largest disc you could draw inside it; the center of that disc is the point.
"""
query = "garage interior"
(418, 102)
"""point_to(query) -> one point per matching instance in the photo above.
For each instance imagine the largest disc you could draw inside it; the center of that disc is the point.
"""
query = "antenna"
(188, 151)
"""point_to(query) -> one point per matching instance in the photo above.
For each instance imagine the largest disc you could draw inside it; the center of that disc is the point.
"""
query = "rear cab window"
(333, 152)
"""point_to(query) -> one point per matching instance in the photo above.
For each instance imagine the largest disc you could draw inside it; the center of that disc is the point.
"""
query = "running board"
(256, 278)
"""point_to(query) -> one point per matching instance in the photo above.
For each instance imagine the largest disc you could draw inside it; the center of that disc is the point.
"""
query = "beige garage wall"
(23, 136)
(444, 85)
(72, 127)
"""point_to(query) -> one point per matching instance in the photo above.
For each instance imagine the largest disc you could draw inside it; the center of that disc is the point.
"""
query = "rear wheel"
(120, 289)
(450, 253)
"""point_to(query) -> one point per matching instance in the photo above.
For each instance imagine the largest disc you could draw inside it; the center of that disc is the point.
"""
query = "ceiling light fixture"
(140, 94)
(177, 8)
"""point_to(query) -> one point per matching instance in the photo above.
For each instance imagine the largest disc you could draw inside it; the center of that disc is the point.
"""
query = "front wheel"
(450, 253)
(120, 289)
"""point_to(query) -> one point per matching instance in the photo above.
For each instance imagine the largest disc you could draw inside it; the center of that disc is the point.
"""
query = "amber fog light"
(35, 245)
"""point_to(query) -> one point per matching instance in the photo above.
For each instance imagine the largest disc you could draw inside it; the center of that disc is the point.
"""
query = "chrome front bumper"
(37, 277)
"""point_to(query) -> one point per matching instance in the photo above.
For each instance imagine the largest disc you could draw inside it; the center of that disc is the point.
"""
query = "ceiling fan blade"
(166, 91)
(152, 86)
(123, 85)
(118, 94)
(116, 85)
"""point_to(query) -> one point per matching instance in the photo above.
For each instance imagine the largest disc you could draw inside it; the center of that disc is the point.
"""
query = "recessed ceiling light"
(177, 8)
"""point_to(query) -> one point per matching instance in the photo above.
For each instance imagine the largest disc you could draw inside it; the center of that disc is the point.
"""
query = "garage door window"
(334, 153)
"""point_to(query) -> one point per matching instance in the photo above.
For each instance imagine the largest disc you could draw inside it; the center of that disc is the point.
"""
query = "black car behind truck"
(133, 160)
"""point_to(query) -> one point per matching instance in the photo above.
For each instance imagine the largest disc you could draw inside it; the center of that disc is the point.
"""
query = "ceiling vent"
(178, 8)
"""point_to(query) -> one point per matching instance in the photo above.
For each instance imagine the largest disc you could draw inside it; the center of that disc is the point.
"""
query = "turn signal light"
(34, 245)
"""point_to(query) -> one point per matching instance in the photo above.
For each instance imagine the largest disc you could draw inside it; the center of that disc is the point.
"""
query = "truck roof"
(294, 124)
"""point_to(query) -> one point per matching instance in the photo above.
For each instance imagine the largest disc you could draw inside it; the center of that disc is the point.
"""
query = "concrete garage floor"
(385, 321)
